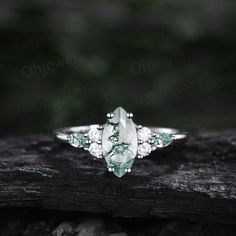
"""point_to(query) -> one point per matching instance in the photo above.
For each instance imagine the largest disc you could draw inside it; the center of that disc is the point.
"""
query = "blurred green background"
(171, 63)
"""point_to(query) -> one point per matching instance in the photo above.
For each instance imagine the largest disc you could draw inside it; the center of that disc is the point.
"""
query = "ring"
(119, 141)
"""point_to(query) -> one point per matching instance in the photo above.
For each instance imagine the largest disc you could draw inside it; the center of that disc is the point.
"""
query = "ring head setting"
(120, 141)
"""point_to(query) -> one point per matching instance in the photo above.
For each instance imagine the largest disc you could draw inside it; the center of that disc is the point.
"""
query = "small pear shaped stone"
(163, 140)
(76, 140)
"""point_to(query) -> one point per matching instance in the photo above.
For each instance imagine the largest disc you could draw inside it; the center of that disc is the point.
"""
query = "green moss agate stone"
(119, 142)
(76, 140)
(163, 140)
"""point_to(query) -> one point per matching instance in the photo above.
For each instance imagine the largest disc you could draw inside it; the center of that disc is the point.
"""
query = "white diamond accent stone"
(94, 134)
(144, 134)
(95, 149)
(144, 149)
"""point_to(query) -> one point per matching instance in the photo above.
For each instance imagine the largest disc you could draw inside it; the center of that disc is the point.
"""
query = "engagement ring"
(119, 141)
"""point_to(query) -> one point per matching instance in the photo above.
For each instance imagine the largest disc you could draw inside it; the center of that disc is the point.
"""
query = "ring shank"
(62, 133)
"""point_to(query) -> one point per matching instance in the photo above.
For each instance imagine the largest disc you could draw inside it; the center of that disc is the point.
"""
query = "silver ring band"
(63, 133)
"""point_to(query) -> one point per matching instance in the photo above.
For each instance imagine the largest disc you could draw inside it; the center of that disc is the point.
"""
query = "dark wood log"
(195, 179)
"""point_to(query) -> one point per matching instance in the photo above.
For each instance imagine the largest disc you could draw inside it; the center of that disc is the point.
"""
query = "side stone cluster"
(91, 141)
(149, 141)
(120, 141)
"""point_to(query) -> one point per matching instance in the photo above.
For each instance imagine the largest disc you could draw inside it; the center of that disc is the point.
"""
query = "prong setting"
(139, 126)
(100, 127)
(111, 169)
(130, 115)
(110, 115)
(128, 170)
(140, 141)
(88, 142)
(151, 141)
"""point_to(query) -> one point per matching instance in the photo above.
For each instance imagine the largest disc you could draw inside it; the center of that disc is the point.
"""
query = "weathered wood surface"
(195, 179)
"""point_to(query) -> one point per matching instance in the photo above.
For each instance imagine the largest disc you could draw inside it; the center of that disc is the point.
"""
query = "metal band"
(64, 132)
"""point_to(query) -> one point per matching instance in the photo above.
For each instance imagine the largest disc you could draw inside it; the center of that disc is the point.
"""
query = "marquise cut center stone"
(119, 142)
